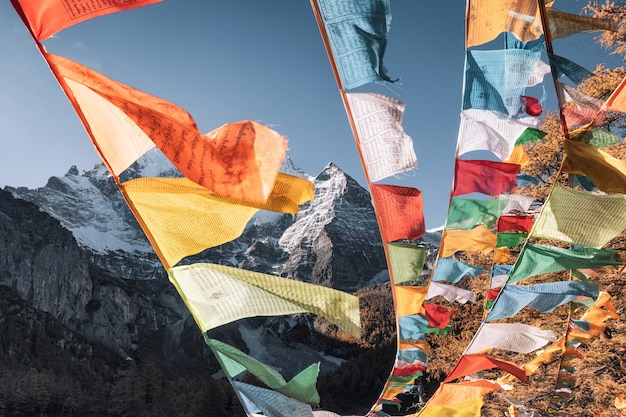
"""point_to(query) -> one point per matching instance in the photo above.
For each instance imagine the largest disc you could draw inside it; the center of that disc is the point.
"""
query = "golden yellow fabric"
(480, 238)
(456, 393)
(606, 172)
(469, 408)
(518, 156)
(415, 344)
(565, 24)
(409, 300)
(182, 218)
(486, 19)
(501, 255)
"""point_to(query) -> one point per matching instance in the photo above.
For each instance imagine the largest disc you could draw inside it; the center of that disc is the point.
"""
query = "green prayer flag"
(233, 361)
(510, 239)
(598, 137)
(580, 217)
(530, 135)
(465, 213)
(540, 259)
(407, 262)
(218, 294)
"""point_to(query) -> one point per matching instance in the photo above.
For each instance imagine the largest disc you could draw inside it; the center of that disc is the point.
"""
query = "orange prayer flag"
(400, 210)
(448, 393)
(607, 173)
(44, 18)
(409, 300)
(239, 160)
(479, 238)
(469, 364)
(617, 99)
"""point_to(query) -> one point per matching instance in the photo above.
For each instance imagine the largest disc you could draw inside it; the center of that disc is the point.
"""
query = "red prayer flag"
(409, 370)
(469, 364)
(532, 106)
(492, 293)
(515, 224)
(438, 316)
(400, 210)
(44, 18)
(487, 177)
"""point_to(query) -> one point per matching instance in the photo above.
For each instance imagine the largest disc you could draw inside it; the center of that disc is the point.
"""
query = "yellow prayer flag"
(217, 294)
(486, 19)
(183, 218)
(457, 393)
(518, 156)
(480, 238)
(606, 172)
(564, 24)
(581, 217)
(409, 300)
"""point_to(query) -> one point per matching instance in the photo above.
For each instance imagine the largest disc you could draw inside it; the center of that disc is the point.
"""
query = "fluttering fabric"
(491, 131)
(217, 294)
(514, 337)
(400, 212)
(517, 203)
(44, 18)
(496, 79)
(570, 69)
(272, 403)
(580, 217)
(239, 160)
(521, 223)
(581, 100)
(182, 218)
(233, 362)
(510, 239)
(450, 293)
(386, 149)
(525, 180)
(357, 33)
(407, 262)
(607, 173)
(463, 399)
(563, 24)
(478, 239)
(409, 300)
(543, 297)
(412, 327)
(487, 177)
(486, 19)
(465, 213)
(530, 135)
(518, 157)
(453, 271)
(438, 316)
(469, 364)
(617, 99)
(595, 136)
(540, 259)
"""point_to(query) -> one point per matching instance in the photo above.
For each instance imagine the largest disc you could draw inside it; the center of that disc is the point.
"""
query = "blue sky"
(243, 59)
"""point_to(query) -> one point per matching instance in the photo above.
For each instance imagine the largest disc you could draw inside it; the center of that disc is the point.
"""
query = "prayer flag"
(512, 42)
(563, 24)
(239, 160)
(530, 135)
(400, 210)
(412, 327)
(472, 363)
(387, 150)
(514, 337)
(580, 99)
(409, 300)
(450, 293)
(570, 69)
(465, 213)
(357, 33)
(487, 177)
(515, 223)
(44, 18)
(606, 172)
(407, 262)
(580, 217)
(412, 356)
(539, 71)
(272, 403)
(517, 203)
(540, 259)
(452, 271)
(182, 218)
(491, 131)
(617, 99)
(518, 157)
(478, 239)
(510, 239)
(486, 19)
(217, 294)
(469, 408)
(597, 137)
(457, 393)
(496, 79)
(543, 297)
(525, 179)
(233, 362)
(532, 106)
(438, 316)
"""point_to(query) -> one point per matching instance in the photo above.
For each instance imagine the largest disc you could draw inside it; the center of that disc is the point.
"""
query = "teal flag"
(496, 79)
(465, 213)
(540, 259)
(571, 70)
(272, 403)
(525, 179)
(452, 271)
(233, 361)
(357, 31)
(541, 297)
